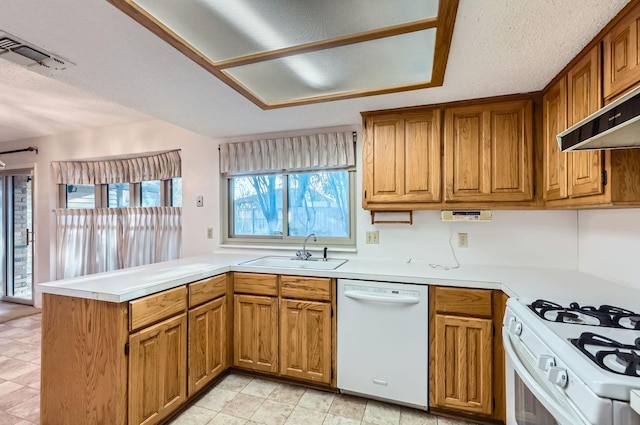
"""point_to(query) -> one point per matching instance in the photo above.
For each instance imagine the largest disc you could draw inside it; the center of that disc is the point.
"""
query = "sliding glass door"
(17, 235)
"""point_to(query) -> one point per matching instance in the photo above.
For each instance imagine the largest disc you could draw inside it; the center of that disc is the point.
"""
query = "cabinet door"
(554, 113)
(157, 370)
(584, 98)
(463, 364)
(207, 343)
(402, 158)
(488, 152)
(305, 340)
(256, 333)
(621, 49)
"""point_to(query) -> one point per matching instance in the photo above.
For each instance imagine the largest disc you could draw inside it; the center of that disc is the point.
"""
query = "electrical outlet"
(209, 232)
(463, 240)
(373, 237)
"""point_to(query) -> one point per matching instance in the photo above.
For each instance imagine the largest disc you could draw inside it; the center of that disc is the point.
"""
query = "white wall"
(609, 244)
(515, 238)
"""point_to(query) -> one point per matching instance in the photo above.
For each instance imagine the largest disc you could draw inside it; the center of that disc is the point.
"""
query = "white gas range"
(570, 364)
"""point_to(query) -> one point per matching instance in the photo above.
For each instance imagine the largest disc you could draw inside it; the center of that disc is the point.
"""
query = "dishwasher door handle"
(381, 298)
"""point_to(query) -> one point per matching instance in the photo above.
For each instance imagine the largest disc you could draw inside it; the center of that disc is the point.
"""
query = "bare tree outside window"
(315, 203)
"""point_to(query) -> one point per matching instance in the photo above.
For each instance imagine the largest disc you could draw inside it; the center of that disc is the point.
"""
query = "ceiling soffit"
(285, 53)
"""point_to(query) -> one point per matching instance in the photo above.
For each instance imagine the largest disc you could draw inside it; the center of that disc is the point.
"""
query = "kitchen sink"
(295, 263)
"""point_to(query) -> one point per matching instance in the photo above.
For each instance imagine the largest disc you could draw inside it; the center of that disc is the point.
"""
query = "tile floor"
(236, 400)
(240, 400)
(20, 371)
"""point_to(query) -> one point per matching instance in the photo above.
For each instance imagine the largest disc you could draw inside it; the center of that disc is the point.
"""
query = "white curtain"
(86, 241)
(103, 239)
(311, 152)
(160, 166)
(150, 235)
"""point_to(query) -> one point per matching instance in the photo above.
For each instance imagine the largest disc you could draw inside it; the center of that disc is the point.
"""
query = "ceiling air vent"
(26, 54)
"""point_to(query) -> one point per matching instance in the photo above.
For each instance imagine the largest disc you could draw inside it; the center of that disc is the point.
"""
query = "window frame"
(273, 241)
(101, 194)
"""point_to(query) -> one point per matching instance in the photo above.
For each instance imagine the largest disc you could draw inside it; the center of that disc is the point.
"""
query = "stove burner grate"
(624, 355)
(605, 315)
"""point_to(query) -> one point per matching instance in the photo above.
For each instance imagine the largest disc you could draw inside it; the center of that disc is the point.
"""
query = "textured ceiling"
(498, 47)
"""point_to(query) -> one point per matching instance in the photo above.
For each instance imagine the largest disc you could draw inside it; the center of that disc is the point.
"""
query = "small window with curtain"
(117, 212)
(278, 191)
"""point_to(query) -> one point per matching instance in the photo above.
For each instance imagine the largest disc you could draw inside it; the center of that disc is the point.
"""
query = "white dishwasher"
(383, 341)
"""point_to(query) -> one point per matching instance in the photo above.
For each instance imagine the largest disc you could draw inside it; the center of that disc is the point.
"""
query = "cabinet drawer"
(255, 283)
(207, 289)
(156, 307)
(305, 288)
(464, 301)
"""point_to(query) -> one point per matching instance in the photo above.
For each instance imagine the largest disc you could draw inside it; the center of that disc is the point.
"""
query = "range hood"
(616, 126)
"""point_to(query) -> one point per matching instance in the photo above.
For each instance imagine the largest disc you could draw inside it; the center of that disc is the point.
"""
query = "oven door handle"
(562, 412)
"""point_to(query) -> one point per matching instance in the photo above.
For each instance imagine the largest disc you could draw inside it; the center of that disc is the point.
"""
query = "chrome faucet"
(304, 254)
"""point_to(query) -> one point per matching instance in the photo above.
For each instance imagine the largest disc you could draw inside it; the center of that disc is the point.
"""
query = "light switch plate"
(199, 201)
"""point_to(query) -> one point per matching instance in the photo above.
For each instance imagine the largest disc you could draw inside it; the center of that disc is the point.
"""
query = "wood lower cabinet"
(291, 335)
(466, 357)
(84, 371)
(256, 333)
(128, 363)
(207, 343)
(488, 151)
(463, 363)
(157, 370)
(305, 340)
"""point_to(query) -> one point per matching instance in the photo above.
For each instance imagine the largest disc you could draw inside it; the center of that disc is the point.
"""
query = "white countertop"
(559, 285)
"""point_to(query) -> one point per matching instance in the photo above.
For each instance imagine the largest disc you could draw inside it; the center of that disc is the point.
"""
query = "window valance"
(299, 153)
(159, 166)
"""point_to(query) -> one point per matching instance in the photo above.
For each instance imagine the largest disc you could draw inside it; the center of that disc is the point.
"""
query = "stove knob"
(558, 376)
(515, 327)
(545, 362)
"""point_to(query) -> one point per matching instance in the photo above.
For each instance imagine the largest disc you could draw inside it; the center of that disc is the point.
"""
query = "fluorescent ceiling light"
(280, 53)
(239, 14)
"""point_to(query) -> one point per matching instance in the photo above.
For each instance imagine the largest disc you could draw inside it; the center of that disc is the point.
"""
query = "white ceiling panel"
(123, 72)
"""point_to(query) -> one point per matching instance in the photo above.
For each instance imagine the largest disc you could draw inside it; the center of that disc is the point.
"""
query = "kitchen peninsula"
(92, 325)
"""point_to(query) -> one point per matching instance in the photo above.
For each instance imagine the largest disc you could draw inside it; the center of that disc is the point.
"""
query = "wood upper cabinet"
(305, 340)
(463, 363)
(587, 178)
(488, 151)
(401, 156)
(256, 332)
(207, 343)
(571, 99)
(584, 98)
(555, 164)
(621, 49)
(157, 370)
